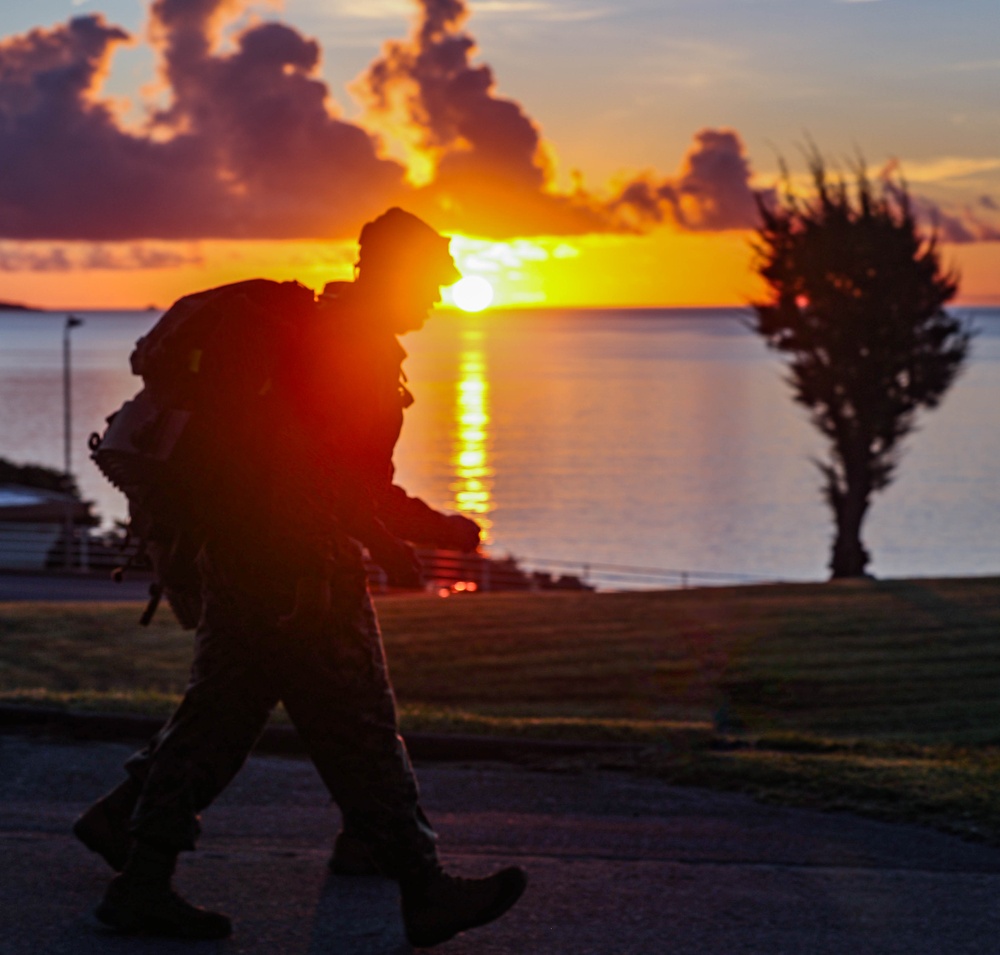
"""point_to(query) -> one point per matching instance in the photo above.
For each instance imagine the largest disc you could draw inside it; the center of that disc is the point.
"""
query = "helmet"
(399, 241)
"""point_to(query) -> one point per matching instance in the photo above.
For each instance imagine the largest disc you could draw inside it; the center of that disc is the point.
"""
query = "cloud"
(949, 228)
(959, 226)
(39, 257)
(248, 143)
(136, 256)
(482, 166)
(949, 167)
(248, 147)
(57, 142)
(20, 259)
(711, 191)
(478, 157)
(299, 170)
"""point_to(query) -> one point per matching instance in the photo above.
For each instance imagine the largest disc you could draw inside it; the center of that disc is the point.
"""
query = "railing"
(604, 576)
(42, 547)
(447, 572)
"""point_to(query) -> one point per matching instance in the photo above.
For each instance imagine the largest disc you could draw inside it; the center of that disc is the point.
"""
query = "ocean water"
(662, 439)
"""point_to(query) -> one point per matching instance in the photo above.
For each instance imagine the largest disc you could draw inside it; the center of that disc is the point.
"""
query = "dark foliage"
(856, 302)
(38, 475)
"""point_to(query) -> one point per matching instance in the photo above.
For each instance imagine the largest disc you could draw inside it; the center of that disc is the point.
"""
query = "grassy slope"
(877, 696)
(912, 660)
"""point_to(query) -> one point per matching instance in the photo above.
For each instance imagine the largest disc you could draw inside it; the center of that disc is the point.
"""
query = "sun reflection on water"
(470, 457)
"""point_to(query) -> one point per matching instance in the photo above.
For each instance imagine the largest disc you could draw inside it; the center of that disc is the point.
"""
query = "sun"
(472, 293)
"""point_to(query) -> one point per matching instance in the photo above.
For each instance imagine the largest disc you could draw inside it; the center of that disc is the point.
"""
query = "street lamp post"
(71, 322)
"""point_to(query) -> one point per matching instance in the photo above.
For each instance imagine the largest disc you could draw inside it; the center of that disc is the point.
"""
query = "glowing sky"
(585, 152)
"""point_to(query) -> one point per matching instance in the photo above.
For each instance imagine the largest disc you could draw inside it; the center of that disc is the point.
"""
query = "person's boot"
(103, 828)
(353, 856)
(438, 906)
(142, 901)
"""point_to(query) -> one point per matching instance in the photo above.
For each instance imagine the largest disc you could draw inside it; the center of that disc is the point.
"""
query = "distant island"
(18, 307)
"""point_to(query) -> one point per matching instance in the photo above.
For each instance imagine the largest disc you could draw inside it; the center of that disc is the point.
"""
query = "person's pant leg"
(337, 692)
(227, 703)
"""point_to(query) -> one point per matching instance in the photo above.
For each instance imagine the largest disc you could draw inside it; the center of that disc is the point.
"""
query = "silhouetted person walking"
(290, 472)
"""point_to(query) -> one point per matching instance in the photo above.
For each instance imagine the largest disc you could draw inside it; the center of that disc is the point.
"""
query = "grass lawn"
(879, 697)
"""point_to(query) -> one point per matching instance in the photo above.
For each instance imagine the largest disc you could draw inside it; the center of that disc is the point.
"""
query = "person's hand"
(462, 533)
(399, 561)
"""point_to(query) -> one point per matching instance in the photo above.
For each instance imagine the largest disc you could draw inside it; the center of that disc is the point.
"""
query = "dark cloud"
(44, 257)
(489, 169)
(249, 146)
(289, 165)
(958, 228)
(988, 202)
(18, 258)
(710, 192)
(973, 228)
(69, 171)
(136, 256)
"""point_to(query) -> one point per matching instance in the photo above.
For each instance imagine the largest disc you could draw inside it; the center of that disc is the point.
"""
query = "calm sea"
(658, 439)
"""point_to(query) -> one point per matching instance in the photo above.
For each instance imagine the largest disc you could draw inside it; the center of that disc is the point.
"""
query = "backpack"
(209, 354)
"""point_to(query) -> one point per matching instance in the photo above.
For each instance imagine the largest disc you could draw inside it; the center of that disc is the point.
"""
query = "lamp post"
(71, 322)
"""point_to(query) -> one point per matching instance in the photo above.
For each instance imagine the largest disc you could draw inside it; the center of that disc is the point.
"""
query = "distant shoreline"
(18, 307)
(525, 308)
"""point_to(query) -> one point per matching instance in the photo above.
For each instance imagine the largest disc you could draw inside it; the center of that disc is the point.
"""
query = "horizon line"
(977, 302)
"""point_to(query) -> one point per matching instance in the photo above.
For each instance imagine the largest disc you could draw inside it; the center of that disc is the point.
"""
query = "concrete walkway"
(618, 866)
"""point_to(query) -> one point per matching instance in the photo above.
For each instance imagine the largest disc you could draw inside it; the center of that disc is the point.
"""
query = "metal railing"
(51, 547)
(609, 576)
(41, 550)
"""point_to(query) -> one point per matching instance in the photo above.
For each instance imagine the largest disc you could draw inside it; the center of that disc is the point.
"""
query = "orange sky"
(664, 268)
(224, 152)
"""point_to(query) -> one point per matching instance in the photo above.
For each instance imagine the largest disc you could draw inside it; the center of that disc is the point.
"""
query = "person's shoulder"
(337, 305)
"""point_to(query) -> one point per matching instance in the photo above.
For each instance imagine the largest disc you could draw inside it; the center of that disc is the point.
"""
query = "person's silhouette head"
(402, 265)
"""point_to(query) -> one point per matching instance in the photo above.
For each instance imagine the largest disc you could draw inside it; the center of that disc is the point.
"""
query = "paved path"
(618, 866)
(97, 586)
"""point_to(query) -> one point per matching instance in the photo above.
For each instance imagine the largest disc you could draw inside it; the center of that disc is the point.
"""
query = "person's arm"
(349, 495)
(414, 520)
(346, 507)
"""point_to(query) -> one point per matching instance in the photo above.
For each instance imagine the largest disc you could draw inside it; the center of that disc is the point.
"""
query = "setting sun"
(472, 293)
